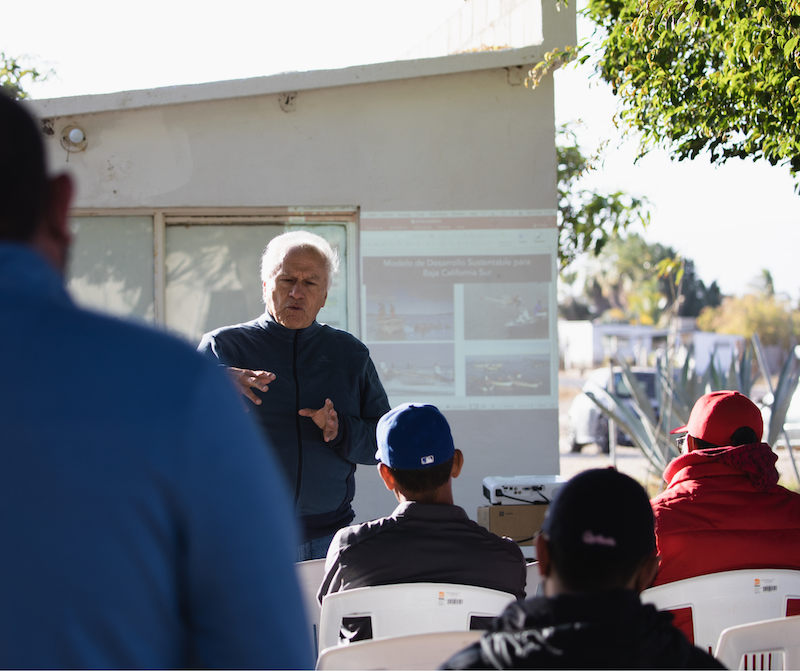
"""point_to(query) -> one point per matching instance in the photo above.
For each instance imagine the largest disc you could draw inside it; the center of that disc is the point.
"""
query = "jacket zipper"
(297, 421)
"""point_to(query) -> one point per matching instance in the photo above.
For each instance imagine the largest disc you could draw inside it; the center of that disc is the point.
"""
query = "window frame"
(292, 216)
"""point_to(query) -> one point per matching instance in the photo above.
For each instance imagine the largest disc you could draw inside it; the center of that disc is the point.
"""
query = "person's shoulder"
(236, 330)
(788, 502)
(502, 541)
(668, 645)
(510, 640)
(794, 497)
(341, 336)
(151, 358)
(114, 333)
(352, 536)
(533, 612)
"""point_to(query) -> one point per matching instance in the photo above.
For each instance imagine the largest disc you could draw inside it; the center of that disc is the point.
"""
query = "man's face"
(298, 289)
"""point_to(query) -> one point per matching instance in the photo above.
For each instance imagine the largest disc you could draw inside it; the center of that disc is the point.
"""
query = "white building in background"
(435, 178)
(585, 344)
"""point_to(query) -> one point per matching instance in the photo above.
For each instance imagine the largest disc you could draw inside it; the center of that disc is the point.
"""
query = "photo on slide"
(508, 375)
(513, 311)
(412, 312)
(415, 368)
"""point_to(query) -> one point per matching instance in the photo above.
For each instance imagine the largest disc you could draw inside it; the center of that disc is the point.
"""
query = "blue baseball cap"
(412, 436)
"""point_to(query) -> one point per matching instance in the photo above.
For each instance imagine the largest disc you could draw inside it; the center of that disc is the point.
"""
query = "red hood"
(756, 460)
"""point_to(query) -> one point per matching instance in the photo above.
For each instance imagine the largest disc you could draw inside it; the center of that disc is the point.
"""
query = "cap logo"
(426, 460)
(596, 539)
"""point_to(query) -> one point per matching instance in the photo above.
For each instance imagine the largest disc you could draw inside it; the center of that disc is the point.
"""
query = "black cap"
(604, 514)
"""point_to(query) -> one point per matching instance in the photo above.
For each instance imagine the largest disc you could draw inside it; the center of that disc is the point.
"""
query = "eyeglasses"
(682, 441)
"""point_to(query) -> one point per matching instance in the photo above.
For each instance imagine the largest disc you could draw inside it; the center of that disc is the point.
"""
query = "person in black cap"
(426, 538)
(596, 554)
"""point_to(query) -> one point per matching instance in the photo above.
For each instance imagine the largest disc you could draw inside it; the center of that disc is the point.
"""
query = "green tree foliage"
(716, 75)
(763, 312)
(695, 294)
(587, 219)
(14, 72)
(763, 283)
(636, 282)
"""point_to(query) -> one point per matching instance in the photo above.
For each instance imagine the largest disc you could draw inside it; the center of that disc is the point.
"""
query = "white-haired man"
(325, 398)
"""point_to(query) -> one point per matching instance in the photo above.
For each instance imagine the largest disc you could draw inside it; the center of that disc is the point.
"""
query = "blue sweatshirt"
(310, 365)
(141, 522)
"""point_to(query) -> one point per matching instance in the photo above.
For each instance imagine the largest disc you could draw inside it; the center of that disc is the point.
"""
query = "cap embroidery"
(596, 539)
(426, 460)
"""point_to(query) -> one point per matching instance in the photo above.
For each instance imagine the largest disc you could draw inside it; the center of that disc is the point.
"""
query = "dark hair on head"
(23, 178)
(581, 574)
(423, 482)
(744, 435)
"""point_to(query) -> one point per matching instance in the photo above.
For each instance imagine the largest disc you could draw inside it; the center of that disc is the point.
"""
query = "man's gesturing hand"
(244, 379)
(325, 418)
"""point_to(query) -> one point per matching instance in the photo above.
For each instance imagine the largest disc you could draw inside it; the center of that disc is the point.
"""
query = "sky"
(733, 220)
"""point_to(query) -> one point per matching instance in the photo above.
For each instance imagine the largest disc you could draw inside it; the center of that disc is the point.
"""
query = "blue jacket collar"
(267, 322)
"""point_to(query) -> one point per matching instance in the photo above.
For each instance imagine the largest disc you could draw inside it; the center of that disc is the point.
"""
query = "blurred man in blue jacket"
(142, 521)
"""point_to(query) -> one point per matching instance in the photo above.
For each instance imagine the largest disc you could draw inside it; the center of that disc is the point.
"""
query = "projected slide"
(460, 306)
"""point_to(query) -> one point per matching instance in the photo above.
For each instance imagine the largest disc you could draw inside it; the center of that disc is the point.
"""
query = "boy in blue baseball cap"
(427, 538)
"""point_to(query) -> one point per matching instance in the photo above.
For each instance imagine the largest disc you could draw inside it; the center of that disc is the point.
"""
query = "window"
(111, 265)
(211, 273)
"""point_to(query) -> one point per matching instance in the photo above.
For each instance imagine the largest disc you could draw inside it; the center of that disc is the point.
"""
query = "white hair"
(279, 246)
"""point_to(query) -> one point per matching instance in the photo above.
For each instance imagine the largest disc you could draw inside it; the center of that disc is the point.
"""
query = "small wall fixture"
(73, 139)
(288, 101)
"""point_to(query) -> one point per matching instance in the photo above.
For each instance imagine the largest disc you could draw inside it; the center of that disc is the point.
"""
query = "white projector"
(520, 489)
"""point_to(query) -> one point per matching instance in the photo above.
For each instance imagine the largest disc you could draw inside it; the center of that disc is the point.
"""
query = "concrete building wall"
(461, 141)
(469, 140)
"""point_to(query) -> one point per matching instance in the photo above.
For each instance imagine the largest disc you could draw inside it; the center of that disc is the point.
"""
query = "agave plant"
(648, 432)
(677, 394)
(781, 397)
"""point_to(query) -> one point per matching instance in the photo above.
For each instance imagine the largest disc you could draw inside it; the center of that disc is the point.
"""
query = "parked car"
(588, 425)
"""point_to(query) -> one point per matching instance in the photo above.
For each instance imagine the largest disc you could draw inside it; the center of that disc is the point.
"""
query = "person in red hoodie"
(722, 508)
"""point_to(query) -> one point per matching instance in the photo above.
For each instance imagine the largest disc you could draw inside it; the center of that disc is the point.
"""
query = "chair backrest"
(725, 599)
(533, 583)
(769, 644)
(416, 651)
(310, 574)
(409, 608)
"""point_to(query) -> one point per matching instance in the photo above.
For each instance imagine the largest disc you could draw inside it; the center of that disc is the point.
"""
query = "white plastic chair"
(310, 574)
(769, 644)
(533, 582)
(417, 651)
(725, 599)
(409, 608)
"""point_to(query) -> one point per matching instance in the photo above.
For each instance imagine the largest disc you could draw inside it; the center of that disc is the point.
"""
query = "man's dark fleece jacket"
(599, 630)
(310, 365)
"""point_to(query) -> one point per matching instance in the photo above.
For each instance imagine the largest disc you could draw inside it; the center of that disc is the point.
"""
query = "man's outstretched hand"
(325, 418)
(247, 380)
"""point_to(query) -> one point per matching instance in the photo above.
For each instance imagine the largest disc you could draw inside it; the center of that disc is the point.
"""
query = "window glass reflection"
(111, 265)
(213, 275)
